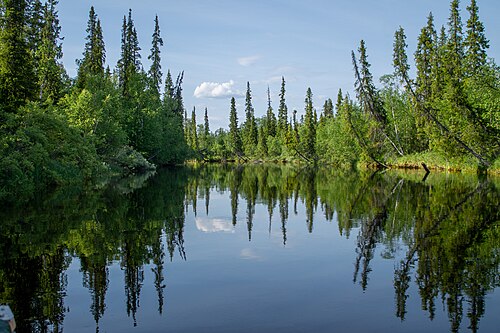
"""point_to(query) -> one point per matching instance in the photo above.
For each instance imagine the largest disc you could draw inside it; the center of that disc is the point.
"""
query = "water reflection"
(442, 232)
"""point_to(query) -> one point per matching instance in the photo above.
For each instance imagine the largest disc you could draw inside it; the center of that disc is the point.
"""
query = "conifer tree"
(339, 102)
(155, 73)
(206, 125)
(34, 24)
(169, 86)
(250, 126)
(282, 111)
(365, 89)
(328, 108)
(262, 142)
(424, 59)
(16, 68)
(130, 58)
(193, 131)
(475, 42)
(177, 95)
(270, 118)
(94, 54)
(234, 132)
(438, 64)
(50, 69)
(454, 49)
(308, 139)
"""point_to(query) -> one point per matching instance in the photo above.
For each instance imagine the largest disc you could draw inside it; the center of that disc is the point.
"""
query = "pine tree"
(234, 132)
(16, 68)
(50, 69)
(282, 127)
(270, 118)
(475, 42)
(155, 73)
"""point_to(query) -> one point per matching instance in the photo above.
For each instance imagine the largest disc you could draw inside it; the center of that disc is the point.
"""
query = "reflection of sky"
(206, 224)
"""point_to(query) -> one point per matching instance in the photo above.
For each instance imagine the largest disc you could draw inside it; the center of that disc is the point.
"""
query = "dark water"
(257, 249)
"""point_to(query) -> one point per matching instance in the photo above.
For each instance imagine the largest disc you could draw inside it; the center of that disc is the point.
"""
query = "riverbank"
(437, 162)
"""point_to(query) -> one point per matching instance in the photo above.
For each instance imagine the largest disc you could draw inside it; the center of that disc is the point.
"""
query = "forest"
(56, 130)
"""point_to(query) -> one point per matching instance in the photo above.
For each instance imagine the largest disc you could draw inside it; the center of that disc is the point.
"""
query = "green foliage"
(40, 150)
(235, 143)
(16, 66)
(94, 55)
(336, 143)
(249, 130)
(155, 73)
(308, 131)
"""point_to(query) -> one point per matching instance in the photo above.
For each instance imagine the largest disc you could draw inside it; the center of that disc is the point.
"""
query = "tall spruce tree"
(438, 64)
(454, 49)
(282, 127)
(475, 42)
(155, 73)
(94, 54)
(206, 124)
(365, 89)
(424, 59)
(34, 23)
(328, 108)
(339, 102)
(16, 67)
(130, 59)
(308, 139)
(169, 86)
(234, 132)
(193, 133)
(50, 69)
(250, 126)
(270, 117)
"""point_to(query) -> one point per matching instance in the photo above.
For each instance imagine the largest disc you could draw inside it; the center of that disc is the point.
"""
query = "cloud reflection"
(214, 225)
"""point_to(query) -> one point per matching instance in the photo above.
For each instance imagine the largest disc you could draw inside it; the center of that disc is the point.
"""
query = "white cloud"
(214, 225)
(248, 61)
(216, 90)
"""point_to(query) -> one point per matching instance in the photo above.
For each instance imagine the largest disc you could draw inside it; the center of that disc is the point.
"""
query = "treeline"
(446, 116)
(57, 130)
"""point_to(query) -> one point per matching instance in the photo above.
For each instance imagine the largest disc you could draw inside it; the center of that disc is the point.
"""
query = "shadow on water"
(444, 230)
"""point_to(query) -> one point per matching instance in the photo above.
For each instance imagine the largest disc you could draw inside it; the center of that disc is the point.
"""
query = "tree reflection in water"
(446, 224)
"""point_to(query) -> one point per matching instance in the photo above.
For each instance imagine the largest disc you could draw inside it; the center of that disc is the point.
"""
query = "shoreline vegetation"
(114, 122)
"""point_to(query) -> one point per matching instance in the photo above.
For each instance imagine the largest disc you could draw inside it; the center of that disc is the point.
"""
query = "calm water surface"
(257, 249)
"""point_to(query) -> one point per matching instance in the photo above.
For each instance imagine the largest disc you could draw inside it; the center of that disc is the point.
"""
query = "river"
(226, 248)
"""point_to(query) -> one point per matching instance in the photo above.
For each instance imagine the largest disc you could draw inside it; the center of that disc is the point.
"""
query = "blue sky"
(222, 44)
